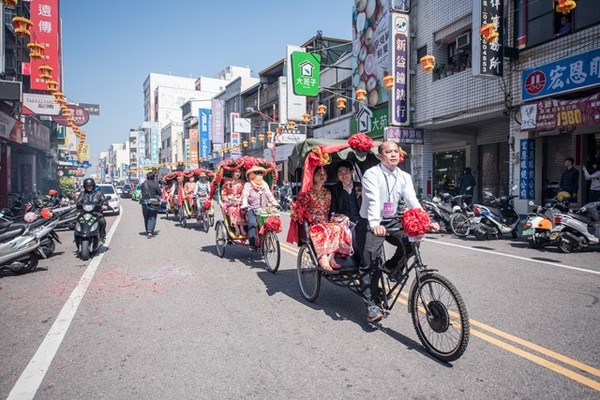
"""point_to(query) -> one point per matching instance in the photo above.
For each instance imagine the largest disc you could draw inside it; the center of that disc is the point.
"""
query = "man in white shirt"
(384, 185)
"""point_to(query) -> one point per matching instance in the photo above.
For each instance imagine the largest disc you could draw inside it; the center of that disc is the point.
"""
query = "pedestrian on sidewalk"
(150, 200)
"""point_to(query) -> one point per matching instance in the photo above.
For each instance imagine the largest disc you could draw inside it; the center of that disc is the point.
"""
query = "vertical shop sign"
(527, 169)
(46, 29)
(204, 132)
(487, 58)
(400, 112)
(193, 145)
(217, 120)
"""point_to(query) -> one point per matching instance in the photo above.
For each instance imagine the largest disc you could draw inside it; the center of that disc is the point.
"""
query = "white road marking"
(590, 271)
(31, 378)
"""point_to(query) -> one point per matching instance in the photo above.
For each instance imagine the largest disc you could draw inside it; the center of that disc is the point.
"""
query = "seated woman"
(329, 238)
(202, 193)
(189, 190)
(231, 196)
(255, 195)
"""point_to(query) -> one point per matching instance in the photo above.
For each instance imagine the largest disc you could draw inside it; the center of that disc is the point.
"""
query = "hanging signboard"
(306, 68)
(404, 135)
(282, 133)
(399, 96)
(487, 58)
(553, 114)
(527, 169)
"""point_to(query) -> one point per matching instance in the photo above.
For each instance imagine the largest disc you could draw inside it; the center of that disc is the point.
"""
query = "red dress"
(327, 236)
(232, 199)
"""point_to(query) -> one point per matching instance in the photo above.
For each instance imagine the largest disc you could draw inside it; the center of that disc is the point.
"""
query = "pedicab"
(268, 219)
(437, 309)
(181, 205)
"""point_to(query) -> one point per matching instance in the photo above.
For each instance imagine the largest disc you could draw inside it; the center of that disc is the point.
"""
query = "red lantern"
(322, 109)
(488, 31)
(10, 2)
(52, 86)
(388, 82)
(291, 125)
(428, 62)
(36, 50)
(306, 118)
(565, 6)
(341, 103)
(261, 136)
(361, 94)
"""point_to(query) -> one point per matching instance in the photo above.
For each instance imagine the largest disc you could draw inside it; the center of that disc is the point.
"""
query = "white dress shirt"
(381, 185)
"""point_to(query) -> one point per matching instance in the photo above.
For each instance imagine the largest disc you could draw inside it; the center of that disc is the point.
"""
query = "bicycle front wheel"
(440, 317)
(459, 224)
(271, 251)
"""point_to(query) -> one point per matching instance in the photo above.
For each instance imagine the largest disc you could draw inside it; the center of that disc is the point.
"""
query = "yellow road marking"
(515, 350)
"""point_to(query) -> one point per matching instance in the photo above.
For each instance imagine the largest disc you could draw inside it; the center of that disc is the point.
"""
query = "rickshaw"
(437, 309)
(186, 210)
(268, 220)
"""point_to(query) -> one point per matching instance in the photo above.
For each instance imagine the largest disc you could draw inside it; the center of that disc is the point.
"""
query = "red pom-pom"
(273, 223)
(206, 205)
(360, 142)
(415, 222)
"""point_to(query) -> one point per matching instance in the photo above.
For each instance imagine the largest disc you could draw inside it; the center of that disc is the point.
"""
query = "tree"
(67, 184)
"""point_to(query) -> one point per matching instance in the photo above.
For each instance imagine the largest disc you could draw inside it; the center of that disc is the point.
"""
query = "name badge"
(388, 209)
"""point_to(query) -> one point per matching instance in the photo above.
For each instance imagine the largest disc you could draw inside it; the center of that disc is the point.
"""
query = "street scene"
(348, 200)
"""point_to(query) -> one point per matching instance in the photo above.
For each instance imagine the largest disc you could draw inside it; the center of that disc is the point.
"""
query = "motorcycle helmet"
(89, 184)
(29, 217)
(562, 196)
(46, 213)
(52, 192)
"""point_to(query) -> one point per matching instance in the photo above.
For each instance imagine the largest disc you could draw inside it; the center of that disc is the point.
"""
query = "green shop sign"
(306, 68)
(370, 122)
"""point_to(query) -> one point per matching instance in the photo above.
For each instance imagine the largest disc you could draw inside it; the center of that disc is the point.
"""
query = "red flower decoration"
(272, 223)
(206, 205)
(360, 142)
(415, 222)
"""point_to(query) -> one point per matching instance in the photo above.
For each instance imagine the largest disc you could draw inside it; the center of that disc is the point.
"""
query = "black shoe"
(374, 314)
(252, 242)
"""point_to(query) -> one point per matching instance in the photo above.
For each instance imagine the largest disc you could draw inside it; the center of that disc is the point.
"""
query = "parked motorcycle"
(498, 219)
(87, 230)
(19, 251)
(442, 208)
(580, 229)
(539, 227)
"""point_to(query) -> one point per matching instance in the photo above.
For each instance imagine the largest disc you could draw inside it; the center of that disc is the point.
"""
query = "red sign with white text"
(46, 30)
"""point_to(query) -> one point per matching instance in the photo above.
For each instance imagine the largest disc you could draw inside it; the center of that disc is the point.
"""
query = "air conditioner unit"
(317, 120)
(463, 40)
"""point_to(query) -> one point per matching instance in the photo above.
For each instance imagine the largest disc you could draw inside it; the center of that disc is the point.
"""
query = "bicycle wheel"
(271, 251)
(211, 219)
(459, 224)
(444, 330)
(220, 238)
(309, 277)
(205, 221)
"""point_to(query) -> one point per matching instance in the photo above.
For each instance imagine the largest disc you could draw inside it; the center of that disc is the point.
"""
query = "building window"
(458, 56)
(538, 22)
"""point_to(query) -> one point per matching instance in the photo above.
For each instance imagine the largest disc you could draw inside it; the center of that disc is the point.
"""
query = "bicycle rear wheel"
(459, 224)
(205, 221)
(309, 276)
(271, 251)
(443, 326)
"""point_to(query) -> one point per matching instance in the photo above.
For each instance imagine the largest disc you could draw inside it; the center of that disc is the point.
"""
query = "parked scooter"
(580, 229)
(496, 221)
(19, 251)
(87, 230)
(539, 227)
(441, 208)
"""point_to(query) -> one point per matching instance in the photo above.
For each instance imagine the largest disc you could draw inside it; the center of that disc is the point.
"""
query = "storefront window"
(447, 167)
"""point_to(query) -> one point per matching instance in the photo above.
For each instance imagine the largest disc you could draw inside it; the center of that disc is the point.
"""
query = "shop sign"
(10, 128)
(527, 169)
(193, 140)
(488, 58)
(400, 112)
(378, 122)
(36, 134)
(282, 133)
(571, 73)
(404, 135)
(218, 117)
(41, 104)
(306, 69)
(552, 114)
(204, 131)
(80, 116)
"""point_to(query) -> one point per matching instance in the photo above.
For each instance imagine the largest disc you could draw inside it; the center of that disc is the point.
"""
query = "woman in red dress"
(329, 238)
(232, 199)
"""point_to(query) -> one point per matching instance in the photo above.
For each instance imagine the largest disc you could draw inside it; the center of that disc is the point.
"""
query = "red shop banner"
(45, 30)
(552, 114)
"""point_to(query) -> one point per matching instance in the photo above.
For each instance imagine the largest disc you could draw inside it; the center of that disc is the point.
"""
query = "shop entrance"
(447, 167)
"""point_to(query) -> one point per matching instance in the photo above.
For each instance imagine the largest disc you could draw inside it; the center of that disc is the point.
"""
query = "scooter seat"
(11, 233)
(5, 224)
(582, 218)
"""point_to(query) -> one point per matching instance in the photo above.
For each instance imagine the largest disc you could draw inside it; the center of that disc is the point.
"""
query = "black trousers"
(150, 214)
(371, 248)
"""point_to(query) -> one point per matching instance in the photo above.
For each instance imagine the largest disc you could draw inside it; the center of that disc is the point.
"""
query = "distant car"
(119, 190)
(114, 205)
(137, 193)
(127, 191)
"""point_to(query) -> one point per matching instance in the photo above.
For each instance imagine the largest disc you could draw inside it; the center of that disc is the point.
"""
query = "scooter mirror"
(530, 202)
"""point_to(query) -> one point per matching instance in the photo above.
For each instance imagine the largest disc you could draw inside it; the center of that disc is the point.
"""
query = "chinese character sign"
(561, 76)
(552, 114)
(527, 169)
(399, 96)
(193, 141)
(217, 121)
(488, 58)
(45, 30)
(204, 132)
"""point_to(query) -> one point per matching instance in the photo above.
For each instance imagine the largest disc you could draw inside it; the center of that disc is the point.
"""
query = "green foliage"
(67, 184)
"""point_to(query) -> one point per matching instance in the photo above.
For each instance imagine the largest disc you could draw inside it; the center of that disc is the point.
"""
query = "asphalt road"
(165, 318)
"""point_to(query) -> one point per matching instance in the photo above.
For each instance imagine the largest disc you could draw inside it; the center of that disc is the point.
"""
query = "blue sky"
(110, 47)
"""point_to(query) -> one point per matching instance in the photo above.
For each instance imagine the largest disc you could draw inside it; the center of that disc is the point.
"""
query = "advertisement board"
(371, 49)
(217, 123)
(204, 124)
(40, 104)
(295, 104)
(400, 100)
(45, 15)
(193, 141)
(487, 58)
